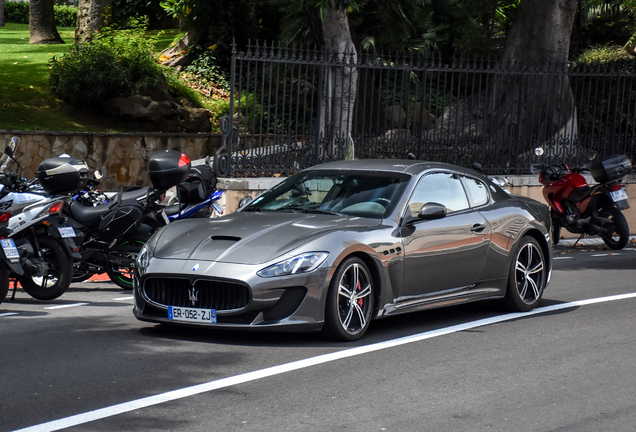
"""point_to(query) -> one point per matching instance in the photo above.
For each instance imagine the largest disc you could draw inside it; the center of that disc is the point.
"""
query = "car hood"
(249, 237)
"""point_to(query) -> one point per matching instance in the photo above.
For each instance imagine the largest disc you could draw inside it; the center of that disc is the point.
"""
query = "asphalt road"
(83, 361)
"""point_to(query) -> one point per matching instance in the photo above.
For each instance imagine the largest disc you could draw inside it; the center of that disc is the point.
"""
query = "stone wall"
(122, 158)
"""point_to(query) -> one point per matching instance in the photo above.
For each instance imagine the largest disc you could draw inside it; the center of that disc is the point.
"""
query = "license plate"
(192, 314)
(218, 208)
(619, 195)
(66, 232)
(8, 246)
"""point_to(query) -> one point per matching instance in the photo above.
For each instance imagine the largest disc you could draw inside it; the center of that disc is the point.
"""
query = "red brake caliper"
(360, 301)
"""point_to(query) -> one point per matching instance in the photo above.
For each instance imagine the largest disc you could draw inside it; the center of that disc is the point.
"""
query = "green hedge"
(18, 13)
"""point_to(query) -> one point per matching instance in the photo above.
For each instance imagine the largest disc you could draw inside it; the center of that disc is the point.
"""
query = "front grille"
(209, 294)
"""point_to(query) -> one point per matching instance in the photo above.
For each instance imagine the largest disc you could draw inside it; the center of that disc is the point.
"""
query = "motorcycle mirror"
(245, 201)
(8, 151)
(538, 151)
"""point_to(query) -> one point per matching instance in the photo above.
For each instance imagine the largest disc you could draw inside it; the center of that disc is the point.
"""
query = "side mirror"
(245, 202)
(432, 210)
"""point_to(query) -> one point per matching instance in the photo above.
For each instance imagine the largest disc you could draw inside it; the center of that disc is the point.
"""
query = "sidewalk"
(592, 241)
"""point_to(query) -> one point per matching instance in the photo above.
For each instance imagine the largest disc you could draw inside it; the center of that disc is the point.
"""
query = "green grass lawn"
(26, 102)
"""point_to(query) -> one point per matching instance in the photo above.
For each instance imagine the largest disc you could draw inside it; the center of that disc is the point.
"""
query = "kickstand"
(15, 288)
(578, 240)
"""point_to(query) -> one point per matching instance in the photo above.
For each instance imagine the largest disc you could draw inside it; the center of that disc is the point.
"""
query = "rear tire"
(556, 231)
(349, 301)
(620, 235)
(4, 282)
(123, 276)
(527, 277)
(81, 276)
(57, 279)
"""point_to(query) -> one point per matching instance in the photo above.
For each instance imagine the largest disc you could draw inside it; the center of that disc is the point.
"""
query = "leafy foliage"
(126, 11)
(18, 13)
(208, 71)
(114, 63)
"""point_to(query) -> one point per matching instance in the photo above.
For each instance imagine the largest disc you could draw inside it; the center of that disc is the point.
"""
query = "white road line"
(124, 298)
(556, 258)
(8, 314)
(65, 306)
(605, 254)
(296, 365)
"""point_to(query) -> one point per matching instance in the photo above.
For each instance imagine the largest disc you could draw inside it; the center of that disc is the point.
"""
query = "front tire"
(527, 277)
(619, 236)
(349, 301)
(56, 280)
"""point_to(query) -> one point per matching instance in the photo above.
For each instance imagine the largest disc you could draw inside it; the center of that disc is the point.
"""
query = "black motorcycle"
(112, 234)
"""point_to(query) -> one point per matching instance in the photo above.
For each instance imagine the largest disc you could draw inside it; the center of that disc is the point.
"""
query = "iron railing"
(294, 107)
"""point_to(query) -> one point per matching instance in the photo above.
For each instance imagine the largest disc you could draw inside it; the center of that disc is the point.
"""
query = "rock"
(395, 117)
(195, 119)
(139, 107)
(415, 114)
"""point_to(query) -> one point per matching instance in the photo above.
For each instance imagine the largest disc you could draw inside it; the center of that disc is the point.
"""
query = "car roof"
(407, 166)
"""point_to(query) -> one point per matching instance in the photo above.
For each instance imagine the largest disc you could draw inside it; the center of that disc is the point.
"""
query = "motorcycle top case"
(167, 168)
(611, 168)
(62, 174)
(120, 221)
(198, 186)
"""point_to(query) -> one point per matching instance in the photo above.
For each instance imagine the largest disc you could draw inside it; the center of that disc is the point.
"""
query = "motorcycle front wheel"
(123, 276)
(56, 280)
(619, 235)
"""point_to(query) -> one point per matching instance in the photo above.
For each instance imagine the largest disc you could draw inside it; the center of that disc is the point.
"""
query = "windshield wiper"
(310, 210)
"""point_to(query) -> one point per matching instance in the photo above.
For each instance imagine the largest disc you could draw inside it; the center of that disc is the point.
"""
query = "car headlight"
(303, 263)
(142, 259)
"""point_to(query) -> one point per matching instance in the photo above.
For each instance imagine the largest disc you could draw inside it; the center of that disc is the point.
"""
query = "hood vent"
(226, 238)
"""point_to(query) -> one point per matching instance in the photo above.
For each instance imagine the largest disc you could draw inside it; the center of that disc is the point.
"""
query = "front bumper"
(242, 299)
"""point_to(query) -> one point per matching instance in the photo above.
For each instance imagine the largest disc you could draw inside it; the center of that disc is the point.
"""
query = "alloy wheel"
(529, 273)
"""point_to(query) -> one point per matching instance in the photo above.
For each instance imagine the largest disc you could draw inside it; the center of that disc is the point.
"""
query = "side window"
(477, 190)
(442, 188)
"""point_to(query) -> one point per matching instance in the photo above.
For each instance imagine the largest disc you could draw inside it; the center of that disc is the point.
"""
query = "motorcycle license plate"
(192, 314)
(619, 195)
(8, 246)
(66, 232)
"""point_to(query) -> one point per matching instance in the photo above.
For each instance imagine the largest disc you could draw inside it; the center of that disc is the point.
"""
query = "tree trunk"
(42, 28)
(339, 84)
(92, 16)
(524, 109)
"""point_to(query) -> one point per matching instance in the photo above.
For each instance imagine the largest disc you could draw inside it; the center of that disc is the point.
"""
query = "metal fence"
(295, 107)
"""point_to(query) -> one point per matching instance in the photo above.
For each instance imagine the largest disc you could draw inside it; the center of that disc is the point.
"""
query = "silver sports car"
(339, 244)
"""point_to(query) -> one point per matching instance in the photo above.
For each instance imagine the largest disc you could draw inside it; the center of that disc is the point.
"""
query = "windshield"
(355, 193)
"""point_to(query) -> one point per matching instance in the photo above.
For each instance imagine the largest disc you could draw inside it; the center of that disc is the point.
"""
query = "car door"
(447, 253)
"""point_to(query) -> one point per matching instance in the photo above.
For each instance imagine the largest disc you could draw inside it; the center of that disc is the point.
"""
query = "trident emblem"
(192, 295)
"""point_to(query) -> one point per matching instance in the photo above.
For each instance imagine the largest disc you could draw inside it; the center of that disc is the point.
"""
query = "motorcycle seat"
(88, 215)
(133, 196)
(172, 209)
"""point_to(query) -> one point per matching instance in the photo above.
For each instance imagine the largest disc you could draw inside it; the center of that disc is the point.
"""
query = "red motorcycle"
(584, 209)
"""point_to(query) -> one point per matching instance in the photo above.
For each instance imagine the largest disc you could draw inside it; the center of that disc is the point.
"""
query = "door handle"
(478, 228)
